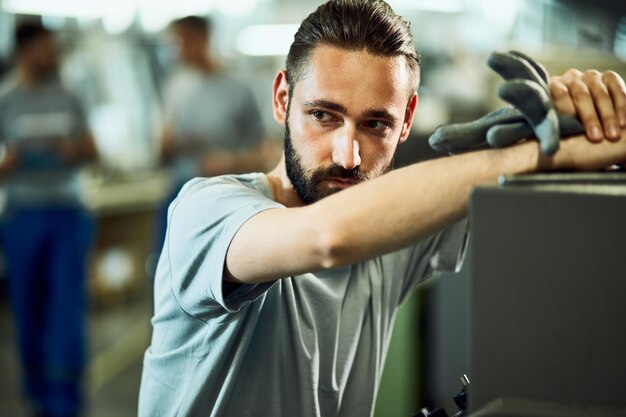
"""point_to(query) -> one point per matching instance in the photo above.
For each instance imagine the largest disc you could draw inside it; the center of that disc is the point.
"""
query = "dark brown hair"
(197, 24)
(353, 25)
(27, 32)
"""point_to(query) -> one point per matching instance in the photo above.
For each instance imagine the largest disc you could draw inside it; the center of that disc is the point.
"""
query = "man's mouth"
(338, 182)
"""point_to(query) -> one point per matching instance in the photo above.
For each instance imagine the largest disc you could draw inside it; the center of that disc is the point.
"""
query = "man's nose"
(346, 148)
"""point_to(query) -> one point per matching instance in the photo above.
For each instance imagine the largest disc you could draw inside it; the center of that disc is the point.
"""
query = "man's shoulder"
(253, 180)
(185, 76)
(212, 205)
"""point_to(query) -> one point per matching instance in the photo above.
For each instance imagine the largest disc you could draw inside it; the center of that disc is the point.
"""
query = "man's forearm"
(392, 211)
(376, 217)
(409, 204)
(8, 159)
(77, 151)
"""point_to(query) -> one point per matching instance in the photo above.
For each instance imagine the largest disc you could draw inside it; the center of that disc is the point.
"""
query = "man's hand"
(9, 159)
(541, 108)
(68, 150)
(597, 99)
(76, 150)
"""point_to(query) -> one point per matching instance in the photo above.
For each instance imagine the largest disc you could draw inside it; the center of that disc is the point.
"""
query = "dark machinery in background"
(460, 399)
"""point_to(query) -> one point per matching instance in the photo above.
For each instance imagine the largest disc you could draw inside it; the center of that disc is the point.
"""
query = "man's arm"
(390, 212)
(406, 205)
(77, 151)
(598, 99)
(9, 159)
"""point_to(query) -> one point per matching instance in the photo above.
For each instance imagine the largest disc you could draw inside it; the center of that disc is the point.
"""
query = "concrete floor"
(119, 334)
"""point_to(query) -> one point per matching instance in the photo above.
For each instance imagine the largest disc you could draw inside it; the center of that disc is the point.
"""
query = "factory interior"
(116, 57)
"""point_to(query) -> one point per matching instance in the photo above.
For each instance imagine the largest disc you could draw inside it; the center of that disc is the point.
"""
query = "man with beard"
(276, 294)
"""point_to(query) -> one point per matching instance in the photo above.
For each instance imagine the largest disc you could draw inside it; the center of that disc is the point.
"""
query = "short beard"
(307, 183)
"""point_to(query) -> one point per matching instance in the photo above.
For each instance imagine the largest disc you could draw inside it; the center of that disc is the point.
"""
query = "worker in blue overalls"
(46, 232)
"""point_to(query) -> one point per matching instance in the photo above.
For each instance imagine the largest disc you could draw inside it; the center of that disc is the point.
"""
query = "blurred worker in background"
(212, 122)
(47, 233)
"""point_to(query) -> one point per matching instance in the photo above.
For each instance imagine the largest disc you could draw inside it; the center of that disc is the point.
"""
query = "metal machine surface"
(548, 290)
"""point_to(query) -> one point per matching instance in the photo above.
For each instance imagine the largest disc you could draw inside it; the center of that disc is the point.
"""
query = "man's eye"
(377, 124)
(321, 116)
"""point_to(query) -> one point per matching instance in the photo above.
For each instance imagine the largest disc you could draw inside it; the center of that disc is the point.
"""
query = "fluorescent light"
(62, 8)
(266, 40)
(153, 19)
(500, 17)
(237, 8)
(118, 16)
(117, 23)
(441, 6)
(154, 16)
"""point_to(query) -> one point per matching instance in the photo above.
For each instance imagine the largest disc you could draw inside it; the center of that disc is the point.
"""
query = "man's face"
(345, 119)
(191, 43)
(41, 55)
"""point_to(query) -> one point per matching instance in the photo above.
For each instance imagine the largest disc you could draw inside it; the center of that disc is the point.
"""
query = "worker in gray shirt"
(275, 294)
(46, 231)
(212, 124)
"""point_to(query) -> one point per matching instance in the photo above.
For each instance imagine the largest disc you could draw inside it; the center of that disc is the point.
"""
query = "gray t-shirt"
(309, 345)
(33, 120)
(209, 111)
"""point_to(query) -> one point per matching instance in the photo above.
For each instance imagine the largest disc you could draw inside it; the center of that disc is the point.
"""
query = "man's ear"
(280, 99)
(408, 117)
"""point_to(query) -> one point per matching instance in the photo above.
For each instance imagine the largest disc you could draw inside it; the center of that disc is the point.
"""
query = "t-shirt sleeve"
(202, 222)
(442, 252)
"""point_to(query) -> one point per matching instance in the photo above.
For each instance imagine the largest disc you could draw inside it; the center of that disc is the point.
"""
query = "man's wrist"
(524, 158)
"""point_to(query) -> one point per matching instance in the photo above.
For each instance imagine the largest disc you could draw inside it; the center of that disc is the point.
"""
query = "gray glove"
(532, 114)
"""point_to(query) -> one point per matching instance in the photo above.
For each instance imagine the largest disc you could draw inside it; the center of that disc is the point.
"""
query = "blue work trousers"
(46, 251)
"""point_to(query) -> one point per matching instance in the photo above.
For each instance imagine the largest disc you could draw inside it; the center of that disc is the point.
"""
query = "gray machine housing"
(548, 297)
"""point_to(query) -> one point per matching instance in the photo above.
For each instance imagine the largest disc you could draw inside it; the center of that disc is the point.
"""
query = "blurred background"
(116, 57)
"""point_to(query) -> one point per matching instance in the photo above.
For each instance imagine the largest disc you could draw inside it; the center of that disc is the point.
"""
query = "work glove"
(532, 113)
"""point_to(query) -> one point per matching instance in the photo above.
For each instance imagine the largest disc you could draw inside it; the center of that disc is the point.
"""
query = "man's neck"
(29, 77)
(204, 64)
(281, 186)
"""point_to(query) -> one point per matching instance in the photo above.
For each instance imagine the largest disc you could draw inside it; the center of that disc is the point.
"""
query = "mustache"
(337, 171)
